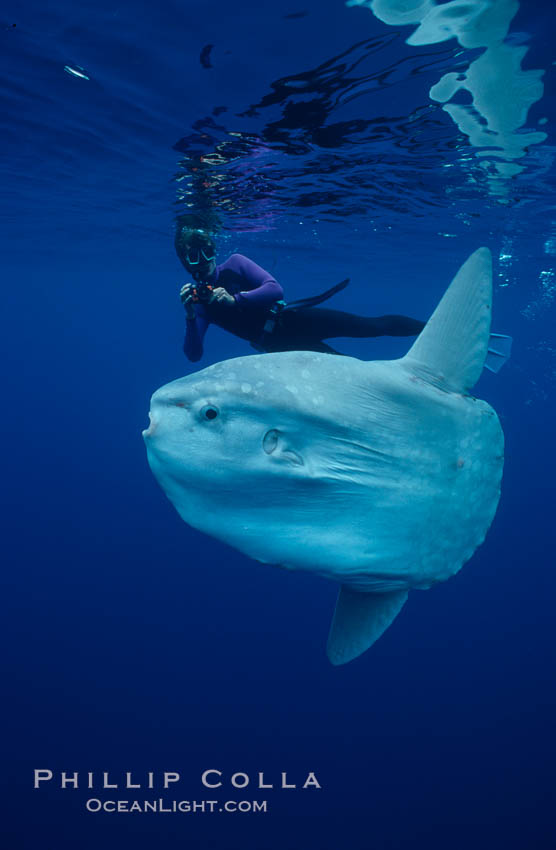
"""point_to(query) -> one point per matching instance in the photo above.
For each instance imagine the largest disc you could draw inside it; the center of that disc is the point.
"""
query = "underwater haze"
(380, 140)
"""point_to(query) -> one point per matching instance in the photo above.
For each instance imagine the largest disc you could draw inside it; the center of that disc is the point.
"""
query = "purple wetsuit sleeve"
(261, 289)
(195, 330)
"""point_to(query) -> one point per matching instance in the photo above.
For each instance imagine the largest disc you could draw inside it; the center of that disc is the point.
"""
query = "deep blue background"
(134, 643)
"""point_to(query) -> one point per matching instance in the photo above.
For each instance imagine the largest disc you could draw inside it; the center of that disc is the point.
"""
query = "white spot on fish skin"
(246, 388)
(292, 389)
(305, 373)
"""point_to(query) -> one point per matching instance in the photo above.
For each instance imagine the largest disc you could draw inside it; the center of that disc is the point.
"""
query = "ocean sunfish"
(383, 476)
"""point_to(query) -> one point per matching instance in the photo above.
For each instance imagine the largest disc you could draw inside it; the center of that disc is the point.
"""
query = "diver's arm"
(261, 288)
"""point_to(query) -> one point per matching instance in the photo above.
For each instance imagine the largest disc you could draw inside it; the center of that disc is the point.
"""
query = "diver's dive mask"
(196, 255)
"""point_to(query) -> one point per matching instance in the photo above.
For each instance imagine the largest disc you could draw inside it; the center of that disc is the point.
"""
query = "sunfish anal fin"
(452, 348)
(359, 620)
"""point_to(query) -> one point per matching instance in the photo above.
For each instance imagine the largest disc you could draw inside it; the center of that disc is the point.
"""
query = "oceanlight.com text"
(161, 806)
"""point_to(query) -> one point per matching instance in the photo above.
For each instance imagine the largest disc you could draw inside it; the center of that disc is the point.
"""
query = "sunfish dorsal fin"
(452, 347)
(359, 620)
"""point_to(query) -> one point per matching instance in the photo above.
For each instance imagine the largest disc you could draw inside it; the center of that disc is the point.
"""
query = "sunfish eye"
(209, 411)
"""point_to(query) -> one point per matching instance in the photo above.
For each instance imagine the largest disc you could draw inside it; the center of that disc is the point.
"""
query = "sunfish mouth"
(148, 432)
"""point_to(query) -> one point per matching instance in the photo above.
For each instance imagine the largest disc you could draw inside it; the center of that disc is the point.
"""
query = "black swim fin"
(313, 300)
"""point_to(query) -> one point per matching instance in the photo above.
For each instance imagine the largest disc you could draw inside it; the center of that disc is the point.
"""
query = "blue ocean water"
(308, 137)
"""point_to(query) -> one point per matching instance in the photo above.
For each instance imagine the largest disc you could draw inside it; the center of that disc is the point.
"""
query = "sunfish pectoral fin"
(451, 349)
(499, 351)
(359, 620)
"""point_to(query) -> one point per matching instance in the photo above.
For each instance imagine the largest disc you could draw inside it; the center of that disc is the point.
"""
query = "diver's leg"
(323, 347)
(280, 343)
(305, 328)
(294, 334)
(321, 323)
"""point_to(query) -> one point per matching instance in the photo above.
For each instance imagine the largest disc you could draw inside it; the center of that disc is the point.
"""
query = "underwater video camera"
(201, 292)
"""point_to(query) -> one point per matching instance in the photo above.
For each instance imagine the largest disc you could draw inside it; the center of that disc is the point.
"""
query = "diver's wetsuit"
(298, 329)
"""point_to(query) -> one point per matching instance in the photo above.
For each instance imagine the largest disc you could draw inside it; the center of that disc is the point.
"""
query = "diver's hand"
(222, 296)
(187, 300)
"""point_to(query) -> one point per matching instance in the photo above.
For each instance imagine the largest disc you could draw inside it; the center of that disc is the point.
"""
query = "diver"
(246, 300)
